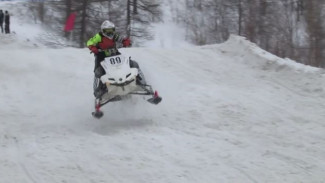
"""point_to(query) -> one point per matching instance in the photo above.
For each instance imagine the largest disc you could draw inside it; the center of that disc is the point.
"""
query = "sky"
(231, 113)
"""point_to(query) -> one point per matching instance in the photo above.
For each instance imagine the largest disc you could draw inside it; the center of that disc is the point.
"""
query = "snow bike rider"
(103, 44)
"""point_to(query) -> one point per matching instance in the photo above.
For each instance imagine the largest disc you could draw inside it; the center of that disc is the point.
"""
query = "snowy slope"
(230, 113)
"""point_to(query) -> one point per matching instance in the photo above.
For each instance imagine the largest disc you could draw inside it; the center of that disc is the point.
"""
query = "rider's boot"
(98, 92)
(99, 88)
(140, 78)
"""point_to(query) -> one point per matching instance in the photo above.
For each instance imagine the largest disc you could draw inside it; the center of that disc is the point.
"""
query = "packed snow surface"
(231, 112)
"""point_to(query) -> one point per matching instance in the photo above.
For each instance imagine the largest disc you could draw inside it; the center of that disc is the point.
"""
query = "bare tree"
(316, 32)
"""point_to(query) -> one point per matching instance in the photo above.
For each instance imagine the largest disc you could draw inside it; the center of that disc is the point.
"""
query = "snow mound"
(266, 60)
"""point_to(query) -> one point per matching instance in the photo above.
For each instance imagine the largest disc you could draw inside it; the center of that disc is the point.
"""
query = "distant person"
(1, 20)
(7, 22)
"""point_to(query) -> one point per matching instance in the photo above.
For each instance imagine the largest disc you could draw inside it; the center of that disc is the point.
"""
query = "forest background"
(287, 28)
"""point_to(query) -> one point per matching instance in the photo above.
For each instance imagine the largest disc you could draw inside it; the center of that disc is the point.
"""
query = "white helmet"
(107, 28)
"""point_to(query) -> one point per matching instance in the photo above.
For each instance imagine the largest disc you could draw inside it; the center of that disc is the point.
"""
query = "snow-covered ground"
(230, 113)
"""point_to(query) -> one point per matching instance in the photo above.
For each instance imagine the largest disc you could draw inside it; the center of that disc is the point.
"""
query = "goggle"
(109, 30)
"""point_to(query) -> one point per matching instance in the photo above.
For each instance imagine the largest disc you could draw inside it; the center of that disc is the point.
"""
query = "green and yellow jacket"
(104, 43)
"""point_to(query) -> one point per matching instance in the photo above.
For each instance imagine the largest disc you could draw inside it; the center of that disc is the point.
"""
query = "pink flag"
(69, 25)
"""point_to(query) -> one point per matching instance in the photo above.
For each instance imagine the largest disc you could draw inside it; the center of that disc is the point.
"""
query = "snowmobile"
(121, 81)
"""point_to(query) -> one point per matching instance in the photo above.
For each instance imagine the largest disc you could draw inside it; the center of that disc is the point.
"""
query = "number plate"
(113, 61)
